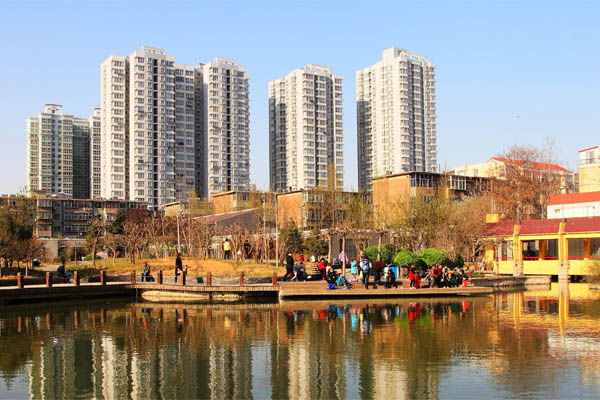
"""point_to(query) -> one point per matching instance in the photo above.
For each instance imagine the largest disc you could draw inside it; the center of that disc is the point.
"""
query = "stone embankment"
(506, 282)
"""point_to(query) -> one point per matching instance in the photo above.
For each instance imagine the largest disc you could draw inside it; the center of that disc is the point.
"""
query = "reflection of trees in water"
(362, 350)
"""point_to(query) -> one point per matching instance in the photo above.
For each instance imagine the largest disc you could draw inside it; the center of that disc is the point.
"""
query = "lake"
(533, 344)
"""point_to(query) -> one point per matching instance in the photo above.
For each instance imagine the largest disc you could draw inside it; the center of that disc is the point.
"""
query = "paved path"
(319, 290)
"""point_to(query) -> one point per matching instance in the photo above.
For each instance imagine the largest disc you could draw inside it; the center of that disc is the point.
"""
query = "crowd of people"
(362, 269)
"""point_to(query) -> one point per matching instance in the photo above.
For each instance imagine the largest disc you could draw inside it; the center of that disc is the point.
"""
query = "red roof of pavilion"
(543, 226)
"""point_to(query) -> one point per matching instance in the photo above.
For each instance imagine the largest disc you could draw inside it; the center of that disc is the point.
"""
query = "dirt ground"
(167, 265)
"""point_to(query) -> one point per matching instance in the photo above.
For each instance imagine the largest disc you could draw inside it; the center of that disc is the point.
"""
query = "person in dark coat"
(178, 266)
(289, 266)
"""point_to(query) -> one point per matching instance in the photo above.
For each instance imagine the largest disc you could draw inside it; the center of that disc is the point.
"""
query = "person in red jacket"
(322, 267)
(411, 276)
(417, 280)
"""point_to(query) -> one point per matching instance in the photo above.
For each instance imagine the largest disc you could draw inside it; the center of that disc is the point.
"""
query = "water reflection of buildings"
(318, 350)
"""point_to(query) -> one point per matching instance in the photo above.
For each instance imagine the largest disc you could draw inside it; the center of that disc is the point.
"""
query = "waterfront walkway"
(231, 292)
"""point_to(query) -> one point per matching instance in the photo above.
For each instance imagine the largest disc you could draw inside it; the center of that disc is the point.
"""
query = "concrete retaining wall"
(511, 281)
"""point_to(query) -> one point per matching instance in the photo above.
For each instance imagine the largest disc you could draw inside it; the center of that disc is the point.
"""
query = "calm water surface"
(543, 344)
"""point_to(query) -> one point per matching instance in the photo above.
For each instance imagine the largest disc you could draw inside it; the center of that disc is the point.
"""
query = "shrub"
(89, 257)
(457, 261)
(387, 252)
(408, 258)
(432, 256)
(593, 270)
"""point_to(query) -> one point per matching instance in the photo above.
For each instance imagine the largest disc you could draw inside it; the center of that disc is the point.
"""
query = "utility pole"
(276, 232)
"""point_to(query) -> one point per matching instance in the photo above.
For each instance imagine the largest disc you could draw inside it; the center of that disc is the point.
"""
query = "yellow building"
(389, 191)
(318, 208)
(561, 247)
(589, 170)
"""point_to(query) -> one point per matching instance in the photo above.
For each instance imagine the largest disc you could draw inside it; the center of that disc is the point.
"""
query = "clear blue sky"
(507, 72)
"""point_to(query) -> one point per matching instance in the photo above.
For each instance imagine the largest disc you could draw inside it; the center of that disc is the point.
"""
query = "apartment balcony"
(589, 161)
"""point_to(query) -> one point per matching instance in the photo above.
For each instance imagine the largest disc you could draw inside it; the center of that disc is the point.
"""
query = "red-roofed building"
(560, 247)
(573, 205)
(494, 168)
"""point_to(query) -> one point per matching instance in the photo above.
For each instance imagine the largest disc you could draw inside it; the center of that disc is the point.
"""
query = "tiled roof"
(583, 224)
(589, 148)
(502, 228)
(573, 198)
(542, 226)
(215, 218)
(540, 165)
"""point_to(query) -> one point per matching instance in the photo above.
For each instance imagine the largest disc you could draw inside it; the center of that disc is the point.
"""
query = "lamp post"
(265, 251)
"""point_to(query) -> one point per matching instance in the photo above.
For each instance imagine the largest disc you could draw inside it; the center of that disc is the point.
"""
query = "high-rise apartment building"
(396, 116)
(226, 151)
(58, 153)
(95, 148)
(149, 117)
(114, 138)
(306, 134)
(159, 119)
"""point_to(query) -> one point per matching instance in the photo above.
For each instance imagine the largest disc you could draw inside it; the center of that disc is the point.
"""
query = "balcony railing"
(589, 161)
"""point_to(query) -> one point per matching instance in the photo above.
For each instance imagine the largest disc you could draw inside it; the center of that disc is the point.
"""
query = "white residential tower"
(226, 147)
(58, 153)
(306, 134)
(396, 116)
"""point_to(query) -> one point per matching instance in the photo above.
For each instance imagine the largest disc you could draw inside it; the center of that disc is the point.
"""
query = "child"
(417, 280)
(354, 270)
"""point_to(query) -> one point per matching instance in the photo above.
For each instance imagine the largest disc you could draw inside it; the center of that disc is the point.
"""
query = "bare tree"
(135, 232)
(237, 234)
(94, 236)
(527, 177)
(114, 242)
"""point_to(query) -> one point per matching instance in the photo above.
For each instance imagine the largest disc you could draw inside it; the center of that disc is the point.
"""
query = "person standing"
(354, 270)
(178, 266)
(411, 276)
(365, 266)
(289, 266)
(227, 249)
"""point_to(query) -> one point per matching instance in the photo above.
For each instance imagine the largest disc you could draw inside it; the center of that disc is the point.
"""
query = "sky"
(507, 73)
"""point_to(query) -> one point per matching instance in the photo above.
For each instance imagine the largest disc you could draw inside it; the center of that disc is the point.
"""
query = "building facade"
(58, 153)
(396, 116)
(560, 247)
(150, 116)
(589, 169)
(574, 205)
(69, 217)
(321, 209)
(95, 151)
(226, 137)
(496, 167)
(168, 128)
(391, 192)
(306, 133)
